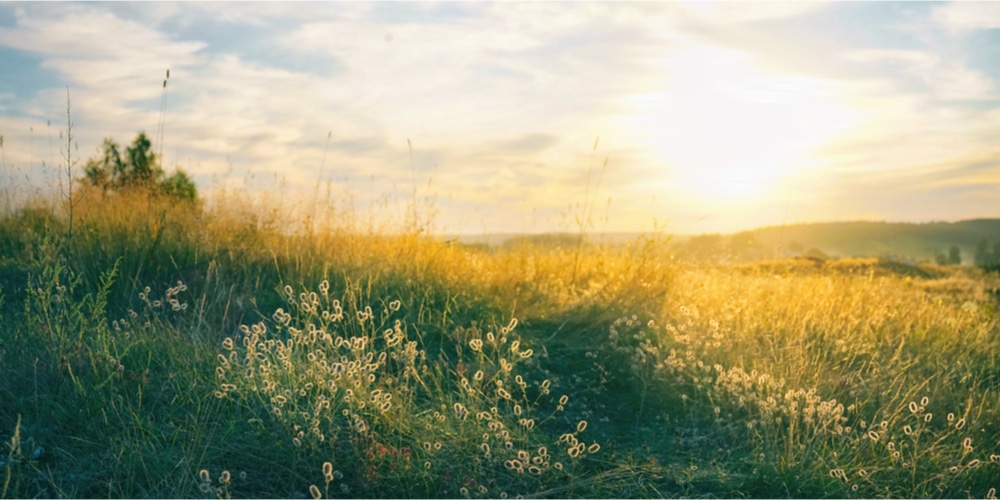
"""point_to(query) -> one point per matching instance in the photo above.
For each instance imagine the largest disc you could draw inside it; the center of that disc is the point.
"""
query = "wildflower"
(873, 435)
(580, 427)
(928, 417)
(224, 477)
(973, 464)
(558, 466)
(960, 423)
(476, 344)
(967, 444)
(594, 448)
(913, 407)
(203, 475)
(564, 399)
(924, 401)
(951, 416)
(314, 492)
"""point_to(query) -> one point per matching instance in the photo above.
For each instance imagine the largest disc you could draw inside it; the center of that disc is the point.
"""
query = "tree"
(983, 255)
(940, 259)
(137, 168)
(954, 255)
(179, 186)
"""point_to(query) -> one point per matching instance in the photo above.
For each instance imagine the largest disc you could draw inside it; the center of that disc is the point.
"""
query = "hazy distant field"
(160, 349)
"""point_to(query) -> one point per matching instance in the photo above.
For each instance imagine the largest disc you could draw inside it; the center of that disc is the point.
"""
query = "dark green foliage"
(954, 255)
(179, 186)
(139, 168)
(987, 258)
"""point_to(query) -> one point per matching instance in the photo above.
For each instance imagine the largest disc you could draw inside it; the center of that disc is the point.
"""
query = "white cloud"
(739, 12)
(946, 78)
(961, 17)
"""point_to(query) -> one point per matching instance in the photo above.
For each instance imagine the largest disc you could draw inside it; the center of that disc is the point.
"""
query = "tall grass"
(223, 350)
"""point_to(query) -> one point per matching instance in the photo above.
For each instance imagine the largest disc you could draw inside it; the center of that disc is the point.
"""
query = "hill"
(902, 240)
(919, 241)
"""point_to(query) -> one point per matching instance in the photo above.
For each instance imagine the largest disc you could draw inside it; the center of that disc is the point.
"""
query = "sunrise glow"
(712, 116)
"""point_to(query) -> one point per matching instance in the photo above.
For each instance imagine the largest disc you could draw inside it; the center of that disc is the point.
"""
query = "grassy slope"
(756, 380)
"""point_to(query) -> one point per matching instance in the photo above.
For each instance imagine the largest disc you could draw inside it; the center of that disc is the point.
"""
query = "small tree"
(954, 255)
(137, 168)
(940, 259)
(983, 254)
(179, 186)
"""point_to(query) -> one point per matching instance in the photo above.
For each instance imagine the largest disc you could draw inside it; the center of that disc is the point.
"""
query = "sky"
(684, 117)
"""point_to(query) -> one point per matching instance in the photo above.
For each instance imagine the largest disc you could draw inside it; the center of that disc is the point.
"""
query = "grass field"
(164, 350)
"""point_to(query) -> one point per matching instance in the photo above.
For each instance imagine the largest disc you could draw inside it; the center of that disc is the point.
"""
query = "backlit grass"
(229, 350)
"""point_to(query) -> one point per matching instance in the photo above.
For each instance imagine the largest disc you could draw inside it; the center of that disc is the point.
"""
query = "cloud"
(732, 13)
(944, 77)
(963, 17)
(527, 143)
(502, 101)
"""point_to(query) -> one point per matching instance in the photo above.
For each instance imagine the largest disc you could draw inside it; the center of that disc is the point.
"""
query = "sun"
(726, 131)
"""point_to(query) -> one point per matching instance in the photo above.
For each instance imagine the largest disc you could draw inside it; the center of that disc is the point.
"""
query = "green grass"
(166, 350)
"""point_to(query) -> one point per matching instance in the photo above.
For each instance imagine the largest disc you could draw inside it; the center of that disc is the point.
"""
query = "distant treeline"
(943, 242)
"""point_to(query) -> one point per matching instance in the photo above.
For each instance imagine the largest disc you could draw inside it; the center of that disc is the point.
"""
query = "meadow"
(156, 348)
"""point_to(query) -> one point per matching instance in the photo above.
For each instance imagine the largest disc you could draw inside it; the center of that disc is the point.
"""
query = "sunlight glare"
(729, 132)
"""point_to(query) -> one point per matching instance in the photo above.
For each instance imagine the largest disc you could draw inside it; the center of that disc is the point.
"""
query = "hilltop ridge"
(912, 240)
